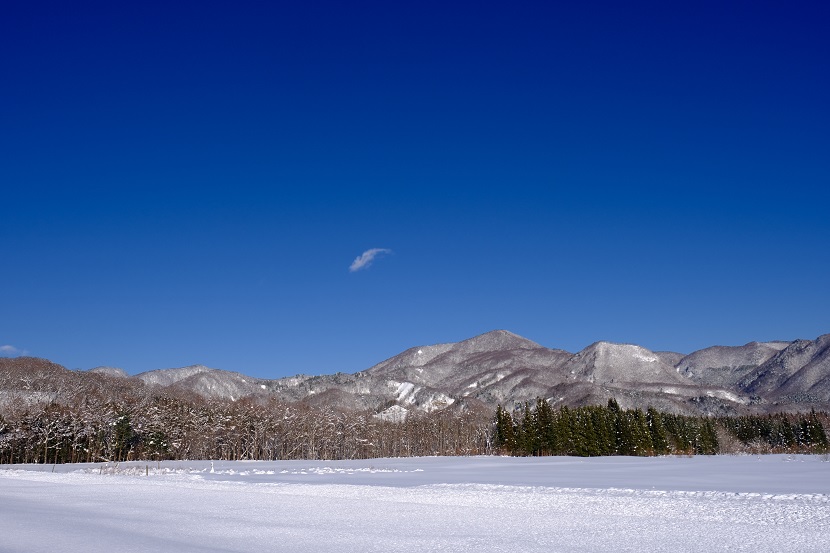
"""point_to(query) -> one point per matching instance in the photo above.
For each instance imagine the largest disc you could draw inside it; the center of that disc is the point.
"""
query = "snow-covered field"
(554, 504)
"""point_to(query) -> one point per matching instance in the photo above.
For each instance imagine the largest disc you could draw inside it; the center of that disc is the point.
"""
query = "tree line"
(538, 429)
(171, 428)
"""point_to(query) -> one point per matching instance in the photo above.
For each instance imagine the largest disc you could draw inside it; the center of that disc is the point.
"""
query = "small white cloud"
(10, 350)
(365, 259)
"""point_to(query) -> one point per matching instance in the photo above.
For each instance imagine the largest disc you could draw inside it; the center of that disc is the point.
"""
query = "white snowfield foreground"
(554, 504)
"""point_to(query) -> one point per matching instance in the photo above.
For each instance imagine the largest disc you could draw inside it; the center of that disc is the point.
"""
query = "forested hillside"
(156, 428)
(596, 430)
(174, 428)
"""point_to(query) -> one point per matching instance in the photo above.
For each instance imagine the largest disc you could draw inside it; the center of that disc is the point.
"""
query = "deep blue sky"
(189, 182)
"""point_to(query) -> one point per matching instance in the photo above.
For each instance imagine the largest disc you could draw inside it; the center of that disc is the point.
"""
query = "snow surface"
(553, 504)
(406, 390)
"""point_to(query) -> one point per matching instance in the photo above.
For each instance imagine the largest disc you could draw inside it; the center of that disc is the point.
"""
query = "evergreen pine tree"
(564, 431)
(505, 434)
(813, 434)
(707, 442)
(624, 443)
(544, 427)
(124, 437)
(640, 435)
(657, 430)
(586, 443)
(603, 430)
(527, 443)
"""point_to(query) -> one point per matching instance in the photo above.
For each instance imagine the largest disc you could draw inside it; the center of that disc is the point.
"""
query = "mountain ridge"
(503, 368)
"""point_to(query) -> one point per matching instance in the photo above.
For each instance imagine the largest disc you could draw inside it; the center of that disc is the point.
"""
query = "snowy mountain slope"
(167, 377)
(110, 371)
(727, 365)
(813, 378)
(206, 382)
(500, 367)
(494, 368)
(799, 372)
(608, 363)
(218, 384)
(434, 365)
(671, 358)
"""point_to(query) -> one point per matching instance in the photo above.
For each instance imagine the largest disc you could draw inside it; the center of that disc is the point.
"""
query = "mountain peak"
(615, 348)
(110, 371)
(166, 377)
(498, 340)
(609, 362)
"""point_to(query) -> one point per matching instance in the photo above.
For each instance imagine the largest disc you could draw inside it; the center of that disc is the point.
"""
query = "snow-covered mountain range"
(500, 367)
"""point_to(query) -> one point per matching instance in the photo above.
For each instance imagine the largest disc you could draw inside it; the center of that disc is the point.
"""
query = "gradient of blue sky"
(189, 182)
